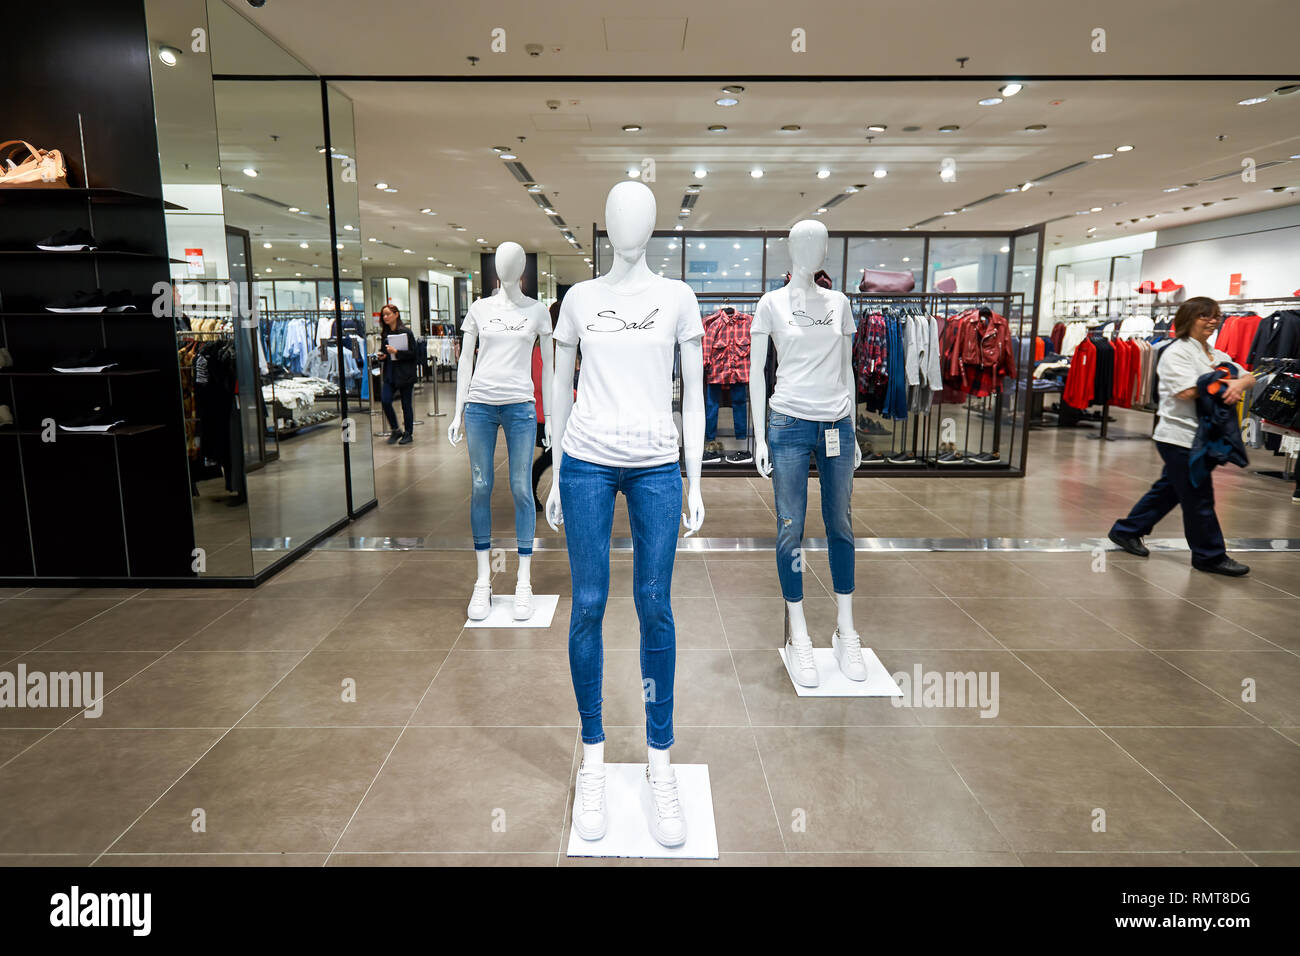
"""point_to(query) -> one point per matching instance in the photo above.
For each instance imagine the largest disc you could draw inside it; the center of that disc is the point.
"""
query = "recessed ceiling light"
(950, 128)
(851, 189)
(480, 240)
(449, 265)
(880, 173)
(756, 173)
(791, 128)
(717, 129)
(821, 210)
(338, 245)
(409, 252)
(734, 90)
(1123, 149)
(1171, 189)
(684, 212)
(632, 128)
(372, 239)
(348, 227)
(672, 245)
(293, 208)
(266, 245)
(700, 172)
(877, 128)
(700, 246)
(426, 210)
(1252, 101)
(1005, 249)
(297, 273)
(1012, 189)
(1011, 89)
(677, 228)
(169, 55)
(735, 245)
(381, 185)
(508, 156)
(549, 211)
(1102, 155)
(907, 258)
(633, 172)
(501, 149)
(990, 101)
(302, 245)
(1035, 127)
(726, 101)
(950, 212)
(1094, 209)
(250, 172)
(823, 174)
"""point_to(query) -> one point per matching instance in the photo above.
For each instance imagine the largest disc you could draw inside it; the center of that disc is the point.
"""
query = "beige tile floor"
(1165, 699)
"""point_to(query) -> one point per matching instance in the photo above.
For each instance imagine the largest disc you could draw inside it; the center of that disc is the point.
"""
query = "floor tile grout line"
(55, 637)
(749, 720)
(226, 733)
(569, 794)
(397, 740)
(934, 739)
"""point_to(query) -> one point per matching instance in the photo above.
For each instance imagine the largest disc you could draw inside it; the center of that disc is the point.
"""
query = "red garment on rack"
(981, 353)
(726, 347)
(1119, 388)
(1083, 369)
(1235, 336)
(1058, 336)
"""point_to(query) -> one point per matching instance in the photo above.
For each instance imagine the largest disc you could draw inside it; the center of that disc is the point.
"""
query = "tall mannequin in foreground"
(812, 412)
(496, 390)
(620, 436)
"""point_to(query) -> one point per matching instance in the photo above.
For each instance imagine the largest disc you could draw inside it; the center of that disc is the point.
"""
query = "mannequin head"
(509, 263)
(807, 246)
(630, 213)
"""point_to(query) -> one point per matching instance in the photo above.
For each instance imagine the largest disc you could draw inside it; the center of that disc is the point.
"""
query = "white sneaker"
(848, 651)
(481, 602)
(589, 804)
(799, 658)
(523, 602)
(663, 810)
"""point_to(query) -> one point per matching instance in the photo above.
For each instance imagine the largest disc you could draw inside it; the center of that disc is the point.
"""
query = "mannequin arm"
(464, 372)
(547, 345)
(693, 430)
(853, 399)
(758, 400)
(561, 403)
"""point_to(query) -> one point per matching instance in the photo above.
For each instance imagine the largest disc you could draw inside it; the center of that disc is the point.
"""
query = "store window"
(730, 264)
(974, 264)
(884, 254)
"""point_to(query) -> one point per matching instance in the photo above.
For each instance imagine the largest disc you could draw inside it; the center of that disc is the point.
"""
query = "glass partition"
(884, 254)
(972, 264)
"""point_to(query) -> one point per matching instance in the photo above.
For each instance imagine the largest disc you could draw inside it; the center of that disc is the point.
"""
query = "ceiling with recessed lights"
(937, 159)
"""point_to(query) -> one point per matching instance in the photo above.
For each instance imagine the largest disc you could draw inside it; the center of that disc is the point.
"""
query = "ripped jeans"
(792, 440)
(519, 421)
(654, 508)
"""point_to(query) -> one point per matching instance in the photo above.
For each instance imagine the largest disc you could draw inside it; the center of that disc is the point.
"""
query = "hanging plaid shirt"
(870, 353)
(726, 347)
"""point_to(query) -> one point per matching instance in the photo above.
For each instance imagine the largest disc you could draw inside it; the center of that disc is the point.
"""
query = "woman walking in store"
(1182, 363)
(399, 373)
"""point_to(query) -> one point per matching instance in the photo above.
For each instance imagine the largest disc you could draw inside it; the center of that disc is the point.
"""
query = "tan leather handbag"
(39, 169)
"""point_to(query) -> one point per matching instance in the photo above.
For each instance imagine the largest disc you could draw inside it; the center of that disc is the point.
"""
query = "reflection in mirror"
(221, 437)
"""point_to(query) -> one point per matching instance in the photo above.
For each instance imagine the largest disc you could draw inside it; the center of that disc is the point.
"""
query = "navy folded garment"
(1218, 439)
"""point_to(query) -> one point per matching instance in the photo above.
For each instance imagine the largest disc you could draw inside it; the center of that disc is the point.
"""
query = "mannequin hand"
(761, 460)
(546, 434)
(857, 455)
(554, 513)
(694, 517)
(453, 431)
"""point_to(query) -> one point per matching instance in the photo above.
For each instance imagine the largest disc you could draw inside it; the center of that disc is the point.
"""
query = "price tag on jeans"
(832, 443)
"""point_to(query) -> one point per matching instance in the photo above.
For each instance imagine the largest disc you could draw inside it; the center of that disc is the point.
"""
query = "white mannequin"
(630, 213)
(807, 244)
(510, 260)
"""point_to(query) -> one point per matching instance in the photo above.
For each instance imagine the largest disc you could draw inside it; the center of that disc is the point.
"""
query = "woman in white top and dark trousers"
(1182, 362)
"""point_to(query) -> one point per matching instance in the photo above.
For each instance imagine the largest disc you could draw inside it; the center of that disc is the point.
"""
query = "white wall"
(1134, 246)
(1263, 247)
(201, 226)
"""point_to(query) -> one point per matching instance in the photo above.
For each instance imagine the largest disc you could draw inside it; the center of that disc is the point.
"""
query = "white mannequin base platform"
(628, 833)
(833, 683)
(503, 612)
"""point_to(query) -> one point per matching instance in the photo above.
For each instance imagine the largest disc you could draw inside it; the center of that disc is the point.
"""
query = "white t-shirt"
(809, 353)
(624, 413)
(1181, 363)
(503, 371)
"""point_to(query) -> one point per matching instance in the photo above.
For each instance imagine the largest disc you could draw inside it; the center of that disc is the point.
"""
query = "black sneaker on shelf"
(874, 458)
(95, 360)
(902, 458)
(740, 458)
(97, 301)
(710, 456)
(950, 458)
(68, 240)
(984, 458)
(98, 419)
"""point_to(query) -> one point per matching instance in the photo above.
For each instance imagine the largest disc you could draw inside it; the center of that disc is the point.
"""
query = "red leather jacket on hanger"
(982, 352)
